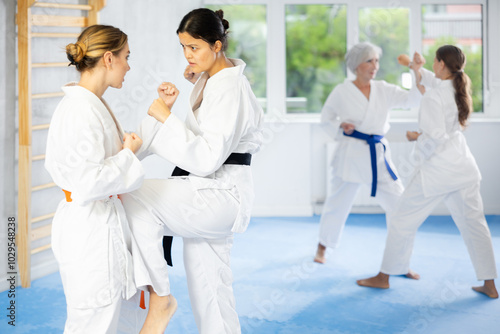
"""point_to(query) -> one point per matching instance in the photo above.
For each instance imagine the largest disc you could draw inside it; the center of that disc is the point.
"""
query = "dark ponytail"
(454, 59)
(207, 25)
(463, 98)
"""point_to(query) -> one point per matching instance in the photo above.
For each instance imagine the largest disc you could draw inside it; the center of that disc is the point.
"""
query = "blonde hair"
(93, 43)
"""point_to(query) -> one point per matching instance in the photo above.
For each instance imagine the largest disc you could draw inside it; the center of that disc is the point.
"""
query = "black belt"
(233, 159)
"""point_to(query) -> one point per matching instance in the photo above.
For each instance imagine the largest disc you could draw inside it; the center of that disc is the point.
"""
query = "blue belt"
(233, 159)
(372, 140)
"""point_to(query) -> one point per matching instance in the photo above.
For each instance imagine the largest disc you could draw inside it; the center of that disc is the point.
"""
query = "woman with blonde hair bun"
(93, 43)
(92, 160)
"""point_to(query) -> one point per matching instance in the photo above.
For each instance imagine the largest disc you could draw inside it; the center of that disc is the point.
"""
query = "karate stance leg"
(336, 209)
(209, 278)
(160, 311)
(388, 195)
(402, 225)
(176, 207)
(466, 208)
(147, 236)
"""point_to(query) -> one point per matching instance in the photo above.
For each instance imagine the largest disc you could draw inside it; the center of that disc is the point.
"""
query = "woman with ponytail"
(446, 172)
(211, 194)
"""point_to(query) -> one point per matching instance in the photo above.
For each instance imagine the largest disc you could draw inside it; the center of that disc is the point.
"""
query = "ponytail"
(454, 59)
(463, 98)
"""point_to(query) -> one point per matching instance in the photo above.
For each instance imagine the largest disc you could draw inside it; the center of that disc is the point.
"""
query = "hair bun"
(225, 23)
(76, 52)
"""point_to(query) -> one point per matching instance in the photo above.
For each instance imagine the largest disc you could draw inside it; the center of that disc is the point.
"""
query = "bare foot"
(413, 275)
(171, 308)
(320, 254)
(488, 289)
(381, 281)
(161, 310)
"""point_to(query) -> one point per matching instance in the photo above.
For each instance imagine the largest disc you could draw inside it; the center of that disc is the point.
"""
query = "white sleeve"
(147, 131)
(429, 80)
(76, 160)
(330, 121)
(401, 98)
(225, 115)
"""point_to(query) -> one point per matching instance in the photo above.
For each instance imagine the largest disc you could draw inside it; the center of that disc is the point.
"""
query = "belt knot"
(372, 140)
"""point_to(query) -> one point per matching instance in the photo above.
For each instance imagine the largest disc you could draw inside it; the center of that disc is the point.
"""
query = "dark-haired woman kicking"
(213, 199)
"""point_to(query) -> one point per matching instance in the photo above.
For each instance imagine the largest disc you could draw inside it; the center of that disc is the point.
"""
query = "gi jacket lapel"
(108, 118)
(118, 125)
(358, 104)
(195, 100)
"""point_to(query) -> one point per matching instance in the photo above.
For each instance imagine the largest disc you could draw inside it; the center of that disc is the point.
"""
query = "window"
(387, 28)
(315, 49)
(306, 43)
(460, 25)
(247, 41)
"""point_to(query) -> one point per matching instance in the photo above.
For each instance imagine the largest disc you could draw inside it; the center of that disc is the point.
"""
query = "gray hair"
(360, 53)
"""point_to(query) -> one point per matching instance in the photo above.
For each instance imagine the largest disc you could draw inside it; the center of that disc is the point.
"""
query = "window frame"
(276, 49)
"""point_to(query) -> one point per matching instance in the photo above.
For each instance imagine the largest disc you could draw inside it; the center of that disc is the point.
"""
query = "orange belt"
(68, 195)
(142, 303)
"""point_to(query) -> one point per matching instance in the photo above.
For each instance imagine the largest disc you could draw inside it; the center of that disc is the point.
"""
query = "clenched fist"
(132, 142)
(190, 75)
(159, 110)
(168, 93)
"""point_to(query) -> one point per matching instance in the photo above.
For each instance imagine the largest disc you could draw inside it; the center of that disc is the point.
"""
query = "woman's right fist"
(168, 93)
(132, 141)
(190, 75)
(404, 60)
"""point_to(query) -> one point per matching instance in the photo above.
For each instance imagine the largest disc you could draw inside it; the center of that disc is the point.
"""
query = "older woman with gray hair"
(361, 108)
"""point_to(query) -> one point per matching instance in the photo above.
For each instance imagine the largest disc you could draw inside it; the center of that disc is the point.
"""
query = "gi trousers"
(339, 201)
(466, 209)
(112, 313)
(204, 218)
(120, 317)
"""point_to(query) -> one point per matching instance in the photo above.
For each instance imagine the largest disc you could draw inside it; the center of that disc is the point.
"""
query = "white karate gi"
(90, 235)
(445, 171)
(352, 162)
(205, 207)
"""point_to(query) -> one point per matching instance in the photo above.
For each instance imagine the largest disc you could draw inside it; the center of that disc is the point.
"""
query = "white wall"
(7, 126)
(290, 172)
(282, 171)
